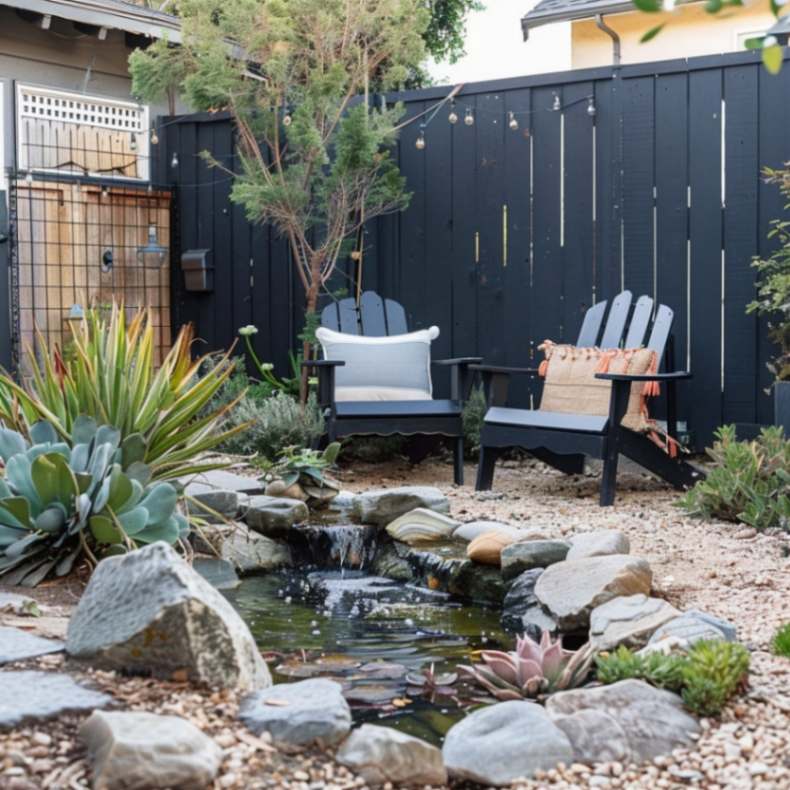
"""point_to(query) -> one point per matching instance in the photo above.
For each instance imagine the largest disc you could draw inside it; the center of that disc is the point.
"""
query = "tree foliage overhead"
(444, 36)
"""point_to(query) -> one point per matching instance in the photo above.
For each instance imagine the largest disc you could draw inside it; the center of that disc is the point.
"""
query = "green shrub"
(474, 411)
(781, 641)
(275, 422)
(749, 481)
(706, 677)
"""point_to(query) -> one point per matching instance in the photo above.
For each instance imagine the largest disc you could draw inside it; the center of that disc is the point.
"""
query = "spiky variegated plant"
(60, 501)
(111, 376)
(533, 668)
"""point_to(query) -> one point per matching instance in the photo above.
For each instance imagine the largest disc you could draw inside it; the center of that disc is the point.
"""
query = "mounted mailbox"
(198, 272)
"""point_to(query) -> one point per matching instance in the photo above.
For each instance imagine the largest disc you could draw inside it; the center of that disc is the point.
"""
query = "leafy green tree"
(444, 36)
(313, 157)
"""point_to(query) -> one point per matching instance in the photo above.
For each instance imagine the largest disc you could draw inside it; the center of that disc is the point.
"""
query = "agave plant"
(533, 668)
(111, 375)
(60, 501)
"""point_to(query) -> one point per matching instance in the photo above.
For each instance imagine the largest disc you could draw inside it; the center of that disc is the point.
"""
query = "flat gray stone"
(21, 605)
(570, 590)
(296, 715)
(725, 626)
(628, 620)
(598, 544)
(382, 754)
(524, 555)
(219, 573)
(18, 645)
(381, 506)
(30, 695)
(246, 550)
(221, 480)
(214, 505)
(687, 629)
(149, 612)
(274, 516)
(500, 743)
(474, 529)
(137, 751)
(653, 720)
(595, 736)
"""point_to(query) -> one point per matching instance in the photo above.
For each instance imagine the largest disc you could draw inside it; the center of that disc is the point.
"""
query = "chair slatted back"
(662, 327)
(615, 323)
(375, 317)
(591, 325)
(640, 321)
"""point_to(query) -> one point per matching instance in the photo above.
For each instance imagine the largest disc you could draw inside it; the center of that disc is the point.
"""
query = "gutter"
(612, 33)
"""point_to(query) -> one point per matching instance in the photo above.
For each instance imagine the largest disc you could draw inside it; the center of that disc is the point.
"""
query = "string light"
(104, 191)
(287, 119)
(154, 137)
(29, 178)
(591, 108)
(453, 116)
(419, 143)
(133, 142)
(512, 123)
(557, 105)
(174, 160)
(469, 119)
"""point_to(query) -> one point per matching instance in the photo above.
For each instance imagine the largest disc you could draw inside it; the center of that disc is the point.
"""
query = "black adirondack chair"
(563, 440)
(377, 317)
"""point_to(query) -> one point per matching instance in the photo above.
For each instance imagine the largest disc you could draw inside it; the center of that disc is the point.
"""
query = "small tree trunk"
(311, 302)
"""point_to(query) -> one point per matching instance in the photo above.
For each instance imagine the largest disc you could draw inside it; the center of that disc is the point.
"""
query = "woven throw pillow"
(571, 387)
(398, 367)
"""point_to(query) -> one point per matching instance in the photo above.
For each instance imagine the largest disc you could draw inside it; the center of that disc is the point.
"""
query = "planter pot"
(782, 405)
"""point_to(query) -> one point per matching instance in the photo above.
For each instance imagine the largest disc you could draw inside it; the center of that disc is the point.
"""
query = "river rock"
(421, 525)
(519, 598)
(246, 550)
(628, 620)
(653, 720)
(274, 516)
(570, 590)
(694, 626)
(595, 736)
(214, 505)
(18, 645)
(474, 529)
(149, 612)
(381, 506)
(219, 573)
(221, 480)
(296, 715)
(381, 754)
(31, 695)
(598, 544)
(487, 548)
(137, 751)
(521, 556)
(500, 743)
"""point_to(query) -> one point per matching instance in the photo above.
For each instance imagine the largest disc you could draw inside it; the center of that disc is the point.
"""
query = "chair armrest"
(323, 363)
(507, 371)
(457, 361)
(678, 375)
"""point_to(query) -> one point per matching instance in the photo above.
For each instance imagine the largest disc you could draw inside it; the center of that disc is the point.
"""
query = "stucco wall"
(689, 32)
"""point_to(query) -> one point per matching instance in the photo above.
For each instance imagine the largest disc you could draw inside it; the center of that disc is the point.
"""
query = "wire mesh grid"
(78, 244)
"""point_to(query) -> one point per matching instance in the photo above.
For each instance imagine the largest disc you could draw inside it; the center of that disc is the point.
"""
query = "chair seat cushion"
(392, 408)
(549, 420)
(380, 393)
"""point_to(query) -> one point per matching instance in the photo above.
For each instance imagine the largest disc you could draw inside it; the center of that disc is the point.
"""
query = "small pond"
(368, 632)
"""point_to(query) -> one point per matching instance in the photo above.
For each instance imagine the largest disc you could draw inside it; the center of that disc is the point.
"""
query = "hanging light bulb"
(591, 107)
(469, 119)
(29, 178)
(287, 119)
(556, 105)
(174, 160)
(133, 142)
(512, 123)
(453, 116)
(154, 137)
(104, 191)
(419, 143)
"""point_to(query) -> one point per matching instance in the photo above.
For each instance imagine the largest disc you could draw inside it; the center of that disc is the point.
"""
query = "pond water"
(369, 632)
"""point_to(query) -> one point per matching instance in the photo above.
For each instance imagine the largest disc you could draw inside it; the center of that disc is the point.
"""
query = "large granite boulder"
(297, 715)
(382, 754)
(246, 550)
(570, 590)
(381, 506)
(500, 743)
(421, 525)
(633, 720)
(628, 620)
(274, 516)
(142, 751)
(524, 555)
(148, 612)
(31, 696)
(598, 544)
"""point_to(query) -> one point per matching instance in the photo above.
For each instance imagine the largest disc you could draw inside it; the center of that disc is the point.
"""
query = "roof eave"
(533, 19)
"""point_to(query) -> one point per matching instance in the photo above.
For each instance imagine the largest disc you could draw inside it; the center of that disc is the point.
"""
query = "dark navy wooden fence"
(512, 233)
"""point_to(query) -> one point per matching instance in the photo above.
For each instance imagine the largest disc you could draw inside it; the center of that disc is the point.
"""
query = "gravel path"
(726, 570)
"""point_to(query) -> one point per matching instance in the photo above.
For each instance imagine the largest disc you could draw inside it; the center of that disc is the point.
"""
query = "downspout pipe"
(601, 25)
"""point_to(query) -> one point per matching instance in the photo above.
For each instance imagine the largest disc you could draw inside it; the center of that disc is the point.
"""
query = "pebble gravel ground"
(724, 569)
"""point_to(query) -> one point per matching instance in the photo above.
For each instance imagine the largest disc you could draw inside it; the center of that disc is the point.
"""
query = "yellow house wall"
(689, 32)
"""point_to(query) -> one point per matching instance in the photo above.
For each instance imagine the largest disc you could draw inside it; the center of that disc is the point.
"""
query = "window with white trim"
(62, 132)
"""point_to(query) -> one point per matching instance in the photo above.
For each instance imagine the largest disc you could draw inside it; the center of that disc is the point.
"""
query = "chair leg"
(485, 468)
(609, 476)
(458, 460)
